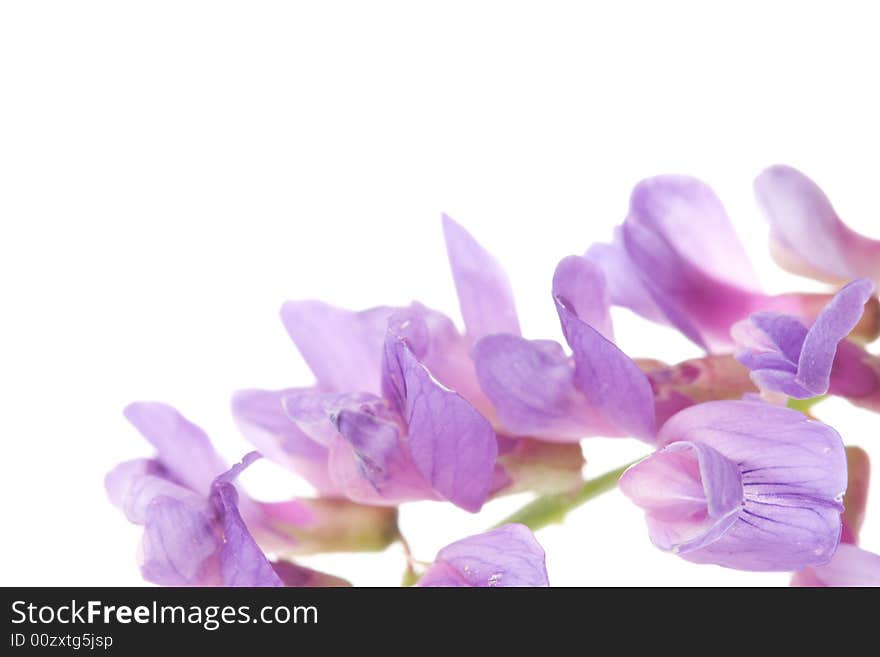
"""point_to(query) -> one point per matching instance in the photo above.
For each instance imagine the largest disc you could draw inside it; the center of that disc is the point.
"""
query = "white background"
(170, 172)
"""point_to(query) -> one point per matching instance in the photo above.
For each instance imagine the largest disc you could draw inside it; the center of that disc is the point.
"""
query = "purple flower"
(537, 390)
(507, 556)
(195, 527)
(484, 293)
(785, 356)
(850, 565)
(398, 413)
(806, 235)
(401, 436)
(677, 260)
(743, 484)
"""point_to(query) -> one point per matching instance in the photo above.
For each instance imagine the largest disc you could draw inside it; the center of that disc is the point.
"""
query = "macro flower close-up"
(406, 407)
(308, 304)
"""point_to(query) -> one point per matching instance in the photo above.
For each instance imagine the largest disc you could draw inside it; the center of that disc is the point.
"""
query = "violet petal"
(484, 292)
(507, 556)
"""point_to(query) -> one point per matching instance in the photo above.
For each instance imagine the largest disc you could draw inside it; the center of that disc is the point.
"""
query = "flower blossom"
(538, 390)
(198, 530)
(743, 484)
(676, 260)
(397, 413)
(850, 565)
(785, 356)
(807, 236)
(507, 556)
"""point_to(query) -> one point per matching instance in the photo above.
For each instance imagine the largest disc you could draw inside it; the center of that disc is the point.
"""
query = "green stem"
(805, 405)
(549, 509)
(410, 577)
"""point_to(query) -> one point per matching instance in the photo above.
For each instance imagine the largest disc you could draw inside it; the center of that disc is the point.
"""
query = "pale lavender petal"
(452, 445)
(242, 562)
(807, 236)
(184, 450)
(484, 292)
(689, 258)
(687, 218)
(690, 492)
(793, 476)
(609, 379)
(119, 481)
(343, 348)
(133, 485)
(507, 556)
(850, 566)
(261, 417)
(314, 412)
(624, 283)
(180, 543)
(531, 385)
(582, 286)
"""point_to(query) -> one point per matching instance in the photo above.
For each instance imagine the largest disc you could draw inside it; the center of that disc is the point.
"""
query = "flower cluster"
(407, 407)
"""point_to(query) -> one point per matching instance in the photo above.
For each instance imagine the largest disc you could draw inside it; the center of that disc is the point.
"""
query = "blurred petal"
(180, 543)
(184, 450)
(582, 286)
(261, 417)
(133, 485)
(807, 236)
(507, 556)
(850, 566)
(690, 226)
(343, 348)
(484, 292)
(690, 259)
(855, 375)
(622, 277)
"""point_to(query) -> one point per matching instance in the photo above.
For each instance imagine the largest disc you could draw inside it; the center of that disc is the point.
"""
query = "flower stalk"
(549, 509)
